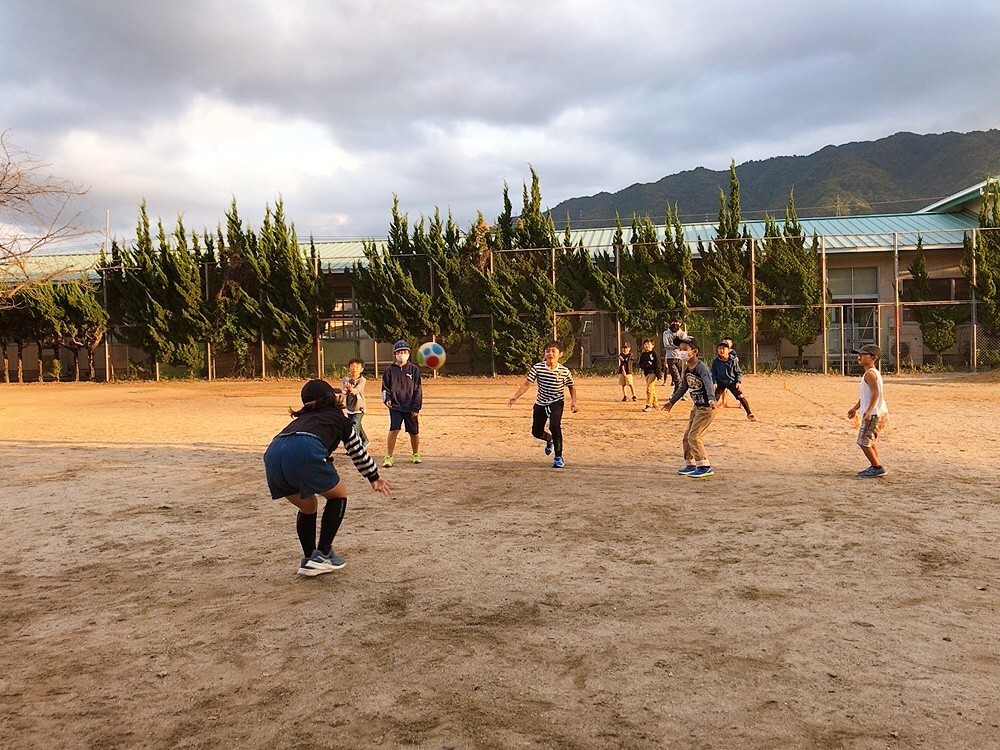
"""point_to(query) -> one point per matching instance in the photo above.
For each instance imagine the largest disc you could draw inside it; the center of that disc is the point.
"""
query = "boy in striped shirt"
(552, 380)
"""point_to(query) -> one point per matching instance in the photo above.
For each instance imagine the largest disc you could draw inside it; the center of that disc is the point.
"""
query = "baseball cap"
(724, 343)
(872, 349)
(400, 346)
(690, 341)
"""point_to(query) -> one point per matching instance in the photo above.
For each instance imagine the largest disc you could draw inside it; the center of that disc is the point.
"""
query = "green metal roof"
(944, 205)
(843, 234)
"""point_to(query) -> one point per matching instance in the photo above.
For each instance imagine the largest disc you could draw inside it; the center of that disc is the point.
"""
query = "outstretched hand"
(381, 486)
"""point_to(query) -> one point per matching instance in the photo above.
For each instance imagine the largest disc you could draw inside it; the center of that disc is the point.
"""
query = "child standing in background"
(354, 389)
(652, 370)
(625, 379)
(727, 376)
(403, 396)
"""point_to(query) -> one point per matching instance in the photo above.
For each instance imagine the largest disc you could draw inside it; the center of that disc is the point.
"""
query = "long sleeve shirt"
(699, 383)
(649, 363)
(726, 372)
(355, 400)
(401, 387)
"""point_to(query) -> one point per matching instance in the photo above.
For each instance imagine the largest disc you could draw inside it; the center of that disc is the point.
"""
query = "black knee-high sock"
(305, 525)
(333, 514)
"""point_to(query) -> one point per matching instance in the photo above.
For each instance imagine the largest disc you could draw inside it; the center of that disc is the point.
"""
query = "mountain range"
(897, 174)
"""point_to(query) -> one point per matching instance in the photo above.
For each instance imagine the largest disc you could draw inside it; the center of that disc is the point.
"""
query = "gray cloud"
(189, 103)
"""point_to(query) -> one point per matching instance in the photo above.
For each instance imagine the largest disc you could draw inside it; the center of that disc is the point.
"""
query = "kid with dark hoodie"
(403, 396)
(727, 376)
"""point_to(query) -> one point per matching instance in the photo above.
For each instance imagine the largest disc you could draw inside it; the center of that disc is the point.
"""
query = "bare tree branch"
(36, 211)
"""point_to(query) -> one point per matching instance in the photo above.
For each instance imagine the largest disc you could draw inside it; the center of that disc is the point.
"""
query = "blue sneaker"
(701, 472)
(872, 472)
(558, 462)
(329, 561)
(548, 447)
(690, 468)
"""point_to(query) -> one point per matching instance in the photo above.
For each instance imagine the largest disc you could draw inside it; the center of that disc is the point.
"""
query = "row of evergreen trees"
(67, 315)
(253, 294)
(496, 289)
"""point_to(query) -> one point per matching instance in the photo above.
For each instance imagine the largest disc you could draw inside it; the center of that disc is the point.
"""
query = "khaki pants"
(694, 446)
(651, 391)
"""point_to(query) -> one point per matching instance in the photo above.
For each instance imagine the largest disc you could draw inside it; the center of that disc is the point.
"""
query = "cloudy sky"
(336, 106)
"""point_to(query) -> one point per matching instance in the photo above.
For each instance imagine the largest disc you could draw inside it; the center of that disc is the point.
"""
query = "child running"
(727, 376)
(354, 386)
(298, 466)
(625, 378)
(698, 380)
(873, 408)
(552, 379)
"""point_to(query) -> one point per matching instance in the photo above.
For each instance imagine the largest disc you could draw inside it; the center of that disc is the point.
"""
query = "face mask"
(402, 358)
(684, 355)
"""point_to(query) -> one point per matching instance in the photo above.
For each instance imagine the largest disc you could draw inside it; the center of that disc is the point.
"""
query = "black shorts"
(399, 419)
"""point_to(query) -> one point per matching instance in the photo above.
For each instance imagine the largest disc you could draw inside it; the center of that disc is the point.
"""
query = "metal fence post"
(895, 299)
(753, 308)
(972, 290)
(826, 340)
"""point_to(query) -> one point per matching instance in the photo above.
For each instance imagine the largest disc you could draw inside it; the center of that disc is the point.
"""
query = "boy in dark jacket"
(727, 376)
(403, 396)
(652, 370)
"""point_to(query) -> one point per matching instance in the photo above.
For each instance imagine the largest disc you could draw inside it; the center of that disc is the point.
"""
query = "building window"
(853, 283)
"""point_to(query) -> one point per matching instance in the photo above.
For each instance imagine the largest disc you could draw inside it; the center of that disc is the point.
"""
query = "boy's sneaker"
(690, 468)
(647, 408)
(308, 568)
(871, 472)
(633, 398)
(323, 560)
(387, 462)
(624, 399)
(701, 472)
(415, 458)
(548, 447)
(558, 463)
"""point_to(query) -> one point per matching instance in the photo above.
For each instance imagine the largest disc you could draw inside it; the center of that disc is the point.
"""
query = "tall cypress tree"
(724, 272)
(937, 327)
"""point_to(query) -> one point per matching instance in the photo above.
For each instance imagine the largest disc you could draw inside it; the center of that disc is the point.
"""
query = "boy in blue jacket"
(727, 376)
(403, 396)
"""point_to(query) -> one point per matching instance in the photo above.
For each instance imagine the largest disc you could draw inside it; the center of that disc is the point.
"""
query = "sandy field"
(149, 596)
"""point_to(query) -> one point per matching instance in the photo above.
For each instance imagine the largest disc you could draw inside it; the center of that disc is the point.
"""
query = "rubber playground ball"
(431, 355)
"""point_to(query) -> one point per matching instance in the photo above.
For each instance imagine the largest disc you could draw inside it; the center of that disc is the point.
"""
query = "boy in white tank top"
(872, 407)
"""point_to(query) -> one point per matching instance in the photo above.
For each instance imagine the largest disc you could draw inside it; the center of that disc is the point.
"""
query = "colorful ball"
(431, 355)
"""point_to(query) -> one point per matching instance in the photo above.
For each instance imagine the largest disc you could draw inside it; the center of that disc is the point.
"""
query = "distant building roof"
(842, 233)
(963, 200)
(942, 224)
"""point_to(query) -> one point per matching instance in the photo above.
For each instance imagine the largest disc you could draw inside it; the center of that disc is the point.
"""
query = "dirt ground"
(149, 596)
